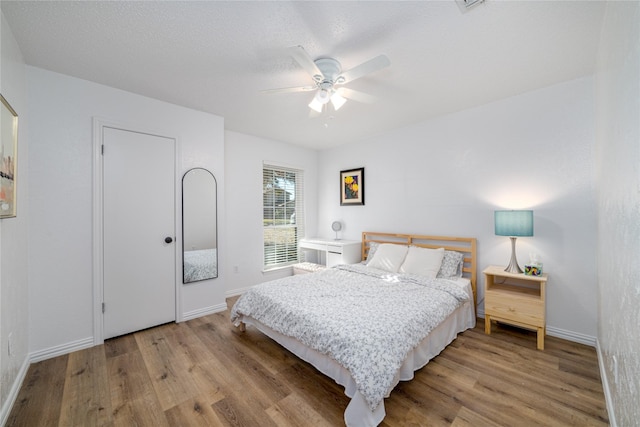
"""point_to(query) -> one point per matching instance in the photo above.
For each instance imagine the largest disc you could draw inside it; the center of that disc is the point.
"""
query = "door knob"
(168, 240)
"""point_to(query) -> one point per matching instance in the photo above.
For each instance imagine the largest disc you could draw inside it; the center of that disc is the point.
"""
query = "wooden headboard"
(466, 245)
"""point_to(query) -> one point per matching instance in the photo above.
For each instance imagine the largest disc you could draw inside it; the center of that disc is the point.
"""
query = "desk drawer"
(336, 249)
(313, 245)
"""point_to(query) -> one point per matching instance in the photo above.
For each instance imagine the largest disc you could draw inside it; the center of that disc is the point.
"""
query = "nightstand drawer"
(524, 310)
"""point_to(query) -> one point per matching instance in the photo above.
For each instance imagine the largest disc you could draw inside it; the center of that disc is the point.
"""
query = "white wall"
(618, 161)
(443, 176)
(60, 218)
(244, 157)
(447, 176)
(13, 234)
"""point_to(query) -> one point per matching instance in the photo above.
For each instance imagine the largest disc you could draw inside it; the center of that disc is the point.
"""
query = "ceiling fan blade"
(290, 89)
(313, 114)
(370, 66)
(355, 95)
(302, 57)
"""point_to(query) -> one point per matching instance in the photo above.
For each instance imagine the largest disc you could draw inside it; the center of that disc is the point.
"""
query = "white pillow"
(388, 257)
(422, 261)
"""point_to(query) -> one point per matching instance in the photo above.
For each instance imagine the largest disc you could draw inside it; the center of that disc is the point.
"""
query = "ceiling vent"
(465, 5)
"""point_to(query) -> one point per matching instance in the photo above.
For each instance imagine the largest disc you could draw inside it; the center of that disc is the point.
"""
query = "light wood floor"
(206, 373)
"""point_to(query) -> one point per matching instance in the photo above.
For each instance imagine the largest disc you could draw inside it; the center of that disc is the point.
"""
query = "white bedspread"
(200, 265)
(367, 320)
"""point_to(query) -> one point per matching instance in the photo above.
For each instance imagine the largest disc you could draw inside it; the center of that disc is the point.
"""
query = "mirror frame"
(215, 225)
(9, 143)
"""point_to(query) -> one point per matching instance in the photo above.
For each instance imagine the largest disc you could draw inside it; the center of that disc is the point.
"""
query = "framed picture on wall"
(352, 187)
(8, 163)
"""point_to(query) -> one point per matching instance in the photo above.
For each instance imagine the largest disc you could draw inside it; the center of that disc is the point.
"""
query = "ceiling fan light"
(337, 101)
(316, 105)
(322, 96)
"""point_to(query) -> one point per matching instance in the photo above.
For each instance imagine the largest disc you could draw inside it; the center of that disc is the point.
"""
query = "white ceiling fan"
(328, 79)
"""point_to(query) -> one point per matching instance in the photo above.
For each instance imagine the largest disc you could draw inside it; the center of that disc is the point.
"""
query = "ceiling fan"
(327, 75)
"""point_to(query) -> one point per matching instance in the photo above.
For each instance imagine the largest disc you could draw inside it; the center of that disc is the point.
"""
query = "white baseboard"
(605, 386)
(203, 311)
(81, 344)
(236, 292)
(13, 393)
(59, 350)
(571, 336)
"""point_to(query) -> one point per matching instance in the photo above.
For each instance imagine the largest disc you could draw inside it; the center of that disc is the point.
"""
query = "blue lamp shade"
(514, 223)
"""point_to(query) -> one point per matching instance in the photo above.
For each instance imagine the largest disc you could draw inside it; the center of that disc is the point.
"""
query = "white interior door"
(138, 222)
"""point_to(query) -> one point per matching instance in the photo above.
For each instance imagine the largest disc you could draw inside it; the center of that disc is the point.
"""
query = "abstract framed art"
(8, 163)
(352, 187)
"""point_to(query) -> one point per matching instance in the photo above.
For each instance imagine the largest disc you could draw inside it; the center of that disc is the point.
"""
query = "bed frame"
(466, 245)
(358, 412)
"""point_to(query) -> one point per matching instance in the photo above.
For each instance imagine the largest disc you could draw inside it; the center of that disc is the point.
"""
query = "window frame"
(282, 217)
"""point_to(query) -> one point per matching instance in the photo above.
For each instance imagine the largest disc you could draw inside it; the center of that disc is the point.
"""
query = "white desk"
(335, 251)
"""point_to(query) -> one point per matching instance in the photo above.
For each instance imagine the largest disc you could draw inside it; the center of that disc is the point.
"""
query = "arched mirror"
(199, 226)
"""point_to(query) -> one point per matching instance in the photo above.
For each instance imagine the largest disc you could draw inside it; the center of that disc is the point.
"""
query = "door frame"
(98, 243)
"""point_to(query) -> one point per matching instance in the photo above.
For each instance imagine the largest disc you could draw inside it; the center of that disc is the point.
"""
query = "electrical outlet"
(10, 344)
(614, 362)
(236, 269)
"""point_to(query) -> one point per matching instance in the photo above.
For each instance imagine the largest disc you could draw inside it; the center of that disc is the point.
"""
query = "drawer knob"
(511, 309)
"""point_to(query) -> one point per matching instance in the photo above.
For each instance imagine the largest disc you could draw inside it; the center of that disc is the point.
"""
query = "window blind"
(283, 214)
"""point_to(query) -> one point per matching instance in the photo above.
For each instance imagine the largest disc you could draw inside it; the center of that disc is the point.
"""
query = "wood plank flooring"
(205, 372)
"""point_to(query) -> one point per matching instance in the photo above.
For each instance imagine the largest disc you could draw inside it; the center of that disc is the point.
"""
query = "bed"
(370, 325)
(200, 265)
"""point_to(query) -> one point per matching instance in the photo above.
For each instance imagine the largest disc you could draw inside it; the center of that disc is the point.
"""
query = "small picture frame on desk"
(352, 187)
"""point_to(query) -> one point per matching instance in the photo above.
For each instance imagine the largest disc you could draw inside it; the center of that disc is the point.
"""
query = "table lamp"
(515, 223)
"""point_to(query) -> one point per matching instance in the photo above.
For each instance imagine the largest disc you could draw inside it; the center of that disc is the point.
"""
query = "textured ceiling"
(217, 56)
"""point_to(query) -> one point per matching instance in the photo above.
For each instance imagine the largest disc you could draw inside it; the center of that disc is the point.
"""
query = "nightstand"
(516, 299)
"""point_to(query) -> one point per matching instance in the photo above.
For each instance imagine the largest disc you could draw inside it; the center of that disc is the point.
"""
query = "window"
(283, 215)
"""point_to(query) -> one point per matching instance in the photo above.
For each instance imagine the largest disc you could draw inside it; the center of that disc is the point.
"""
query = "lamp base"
(513, 266)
